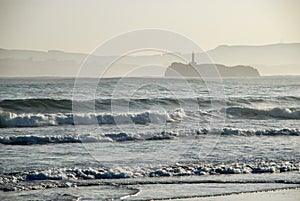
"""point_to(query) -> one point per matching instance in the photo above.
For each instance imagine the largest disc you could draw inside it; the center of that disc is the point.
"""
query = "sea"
(147, 138)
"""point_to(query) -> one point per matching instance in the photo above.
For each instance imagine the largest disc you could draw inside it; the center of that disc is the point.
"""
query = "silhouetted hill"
(41, 55)
(268, 59)
(274, 54)
(274, 59)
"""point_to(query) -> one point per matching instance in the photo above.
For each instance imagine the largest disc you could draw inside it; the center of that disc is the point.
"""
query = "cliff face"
(187, 70)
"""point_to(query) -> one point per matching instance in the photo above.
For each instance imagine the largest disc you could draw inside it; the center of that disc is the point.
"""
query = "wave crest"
(9, 119)
(252, 113)
(119, 137)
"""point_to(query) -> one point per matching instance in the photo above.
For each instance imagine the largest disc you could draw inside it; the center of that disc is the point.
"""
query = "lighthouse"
(193, 59)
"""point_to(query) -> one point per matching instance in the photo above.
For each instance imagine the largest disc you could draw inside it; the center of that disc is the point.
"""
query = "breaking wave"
(75, 176)
(9, 119)
(65, 105)
(119, 137)
(36, 105)
(252, 113)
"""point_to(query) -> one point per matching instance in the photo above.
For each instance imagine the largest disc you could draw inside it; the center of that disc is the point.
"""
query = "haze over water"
(149, 100)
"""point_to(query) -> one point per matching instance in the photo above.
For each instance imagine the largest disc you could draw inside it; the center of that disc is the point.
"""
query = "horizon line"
(222, 45)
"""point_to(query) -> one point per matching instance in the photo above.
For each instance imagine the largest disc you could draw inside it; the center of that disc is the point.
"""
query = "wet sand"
(278, 195)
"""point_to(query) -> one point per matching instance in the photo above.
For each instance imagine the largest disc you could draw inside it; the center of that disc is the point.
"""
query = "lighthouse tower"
(193, 59)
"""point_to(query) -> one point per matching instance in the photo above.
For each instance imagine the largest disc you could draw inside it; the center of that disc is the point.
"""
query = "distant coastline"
(268, 60)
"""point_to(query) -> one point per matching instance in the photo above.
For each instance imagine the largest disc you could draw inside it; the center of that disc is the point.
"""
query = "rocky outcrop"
(188, 70)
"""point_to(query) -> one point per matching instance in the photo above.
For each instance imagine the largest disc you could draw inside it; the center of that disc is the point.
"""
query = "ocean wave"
(85, 138)
(36, 105)
(253, 113)
(65, 105)
(14, 181)
(265, 132)
(289, 98)
(9, 119)
(119, 137)
(31, 139)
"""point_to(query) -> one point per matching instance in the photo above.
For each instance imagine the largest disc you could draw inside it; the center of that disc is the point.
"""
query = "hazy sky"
(80, 26)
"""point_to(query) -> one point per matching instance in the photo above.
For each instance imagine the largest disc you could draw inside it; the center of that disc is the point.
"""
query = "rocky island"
(193, 69)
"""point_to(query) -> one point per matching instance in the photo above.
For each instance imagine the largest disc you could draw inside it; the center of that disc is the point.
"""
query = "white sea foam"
(9, 119)
(11, 181)
(164, 135)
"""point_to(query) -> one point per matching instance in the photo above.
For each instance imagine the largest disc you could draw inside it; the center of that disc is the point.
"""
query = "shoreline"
(289, 194)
